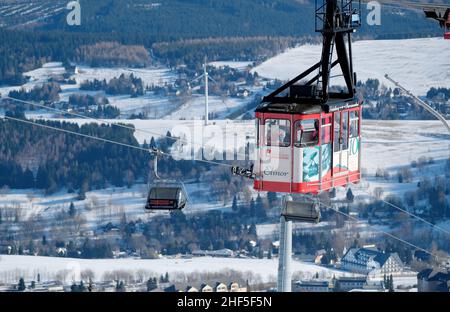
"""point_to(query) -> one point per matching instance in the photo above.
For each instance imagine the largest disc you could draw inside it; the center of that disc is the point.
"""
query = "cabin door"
(340, 146)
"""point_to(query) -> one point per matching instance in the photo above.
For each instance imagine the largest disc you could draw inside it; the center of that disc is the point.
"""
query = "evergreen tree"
(272, 198)
(27, 179)
(81, 194)
(350, 196)
(72, 210)
(260, 211)
(152, 142)
(252, 229)
(31, 247)
(44, 240)
(234, 206)
(21, 286)
(252, 208)
(33, 285)
(120, 286)
(42, 178)
(151, 284)
(81, 287)
(166, 277)
(391, 283)
(261, 253)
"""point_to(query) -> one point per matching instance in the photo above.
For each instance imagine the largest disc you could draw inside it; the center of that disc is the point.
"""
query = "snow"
(150, 76)
(47, 70)
(11, 267)
(231, 64)
(194, 108)
(407, 61)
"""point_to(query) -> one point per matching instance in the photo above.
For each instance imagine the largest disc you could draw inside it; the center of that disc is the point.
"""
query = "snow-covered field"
(418, 64)
(194, 108)
(150, 76)
(154, 106)
(231, 64)
(13, 267)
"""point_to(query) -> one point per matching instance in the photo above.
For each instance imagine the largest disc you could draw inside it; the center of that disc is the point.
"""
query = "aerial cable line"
(110, 123)
(168, 154)
(437, 227)
(215, 163)
(110, 141)
(384, 232)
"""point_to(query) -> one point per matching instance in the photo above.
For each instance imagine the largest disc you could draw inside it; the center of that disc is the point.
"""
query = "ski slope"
(418, 64)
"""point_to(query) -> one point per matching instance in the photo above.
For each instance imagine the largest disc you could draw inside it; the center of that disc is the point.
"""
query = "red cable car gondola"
(308, 138)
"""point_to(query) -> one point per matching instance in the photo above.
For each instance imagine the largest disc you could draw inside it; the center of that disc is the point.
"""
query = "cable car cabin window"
(344, 130)
(278, 132)
(354, 124)
(326, 130)
(306, 132)
(337, 130)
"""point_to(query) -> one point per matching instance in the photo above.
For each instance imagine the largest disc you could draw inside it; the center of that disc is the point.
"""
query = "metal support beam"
(285, 256)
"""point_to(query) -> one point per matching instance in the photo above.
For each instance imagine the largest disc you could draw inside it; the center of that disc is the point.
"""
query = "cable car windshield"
(278, 132)
(165, 192)
(306, 132)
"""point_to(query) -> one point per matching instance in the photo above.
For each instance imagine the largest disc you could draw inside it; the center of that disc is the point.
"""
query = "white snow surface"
(418, 64)
(29, 266)
(231, 64)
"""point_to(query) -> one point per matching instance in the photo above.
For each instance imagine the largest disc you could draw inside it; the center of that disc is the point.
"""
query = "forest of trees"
(433, 92)
(124, 84)
(61, 160)
(192, 52)
(114, 54)
(23, 51)
(47, 92)
(86, 100)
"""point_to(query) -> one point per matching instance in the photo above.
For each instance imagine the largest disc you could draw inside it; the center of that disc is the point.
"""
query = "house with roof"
(313, 285)
(433, 280)
(206, 288)
(234, 287)
(220, 287)
(370, 260)
(191, 289)
(348, 283)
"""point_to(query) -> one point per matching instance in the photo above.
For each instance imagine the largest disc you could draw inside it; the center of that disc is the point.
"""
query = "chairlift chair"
(167, 194)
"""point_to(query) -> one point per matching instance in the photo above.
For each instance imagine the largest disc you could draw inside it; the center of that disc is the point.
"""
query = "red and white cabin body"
(308, 149)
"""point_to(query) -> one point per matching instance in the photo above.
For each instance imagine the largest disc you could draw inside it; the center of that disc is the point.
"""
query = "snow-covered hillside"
(12, 267)
(419, 64)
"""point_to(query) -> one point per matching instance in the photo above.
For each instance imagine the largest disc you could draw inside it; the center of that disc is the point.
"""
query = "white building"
(367, 260)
